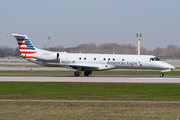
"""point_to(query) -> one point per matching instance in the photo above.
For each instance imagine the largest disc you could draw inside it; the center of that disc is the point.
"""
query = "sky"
(73, 22)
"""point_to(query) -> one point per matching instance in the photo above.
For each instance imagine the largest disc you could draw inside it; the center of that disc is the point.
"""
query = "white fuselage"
(94, 62)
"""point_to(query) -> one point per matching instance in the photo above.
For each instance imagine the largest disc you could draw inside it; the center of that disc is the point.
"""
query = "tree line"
(171, 51)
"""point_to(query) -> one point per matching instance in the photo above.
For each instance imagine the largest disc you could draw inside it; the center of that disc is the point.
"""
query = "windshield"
(156, 59)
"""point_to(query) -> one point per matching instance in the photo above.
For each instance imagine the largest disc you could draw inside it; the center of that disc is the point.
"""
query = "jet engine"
(47, 56)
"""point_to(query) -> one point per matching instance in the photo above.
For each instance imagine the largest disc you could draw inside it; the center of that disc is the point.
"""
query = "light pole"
(49, 42)
(138, 35)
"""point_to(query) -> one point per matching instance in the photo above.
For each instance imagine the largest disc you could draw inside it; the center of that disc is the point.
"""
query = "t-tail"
(26, 48)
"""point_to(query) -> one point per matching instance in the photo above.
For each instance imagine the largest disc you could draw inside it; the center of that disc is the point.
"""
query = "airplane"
(88, 62)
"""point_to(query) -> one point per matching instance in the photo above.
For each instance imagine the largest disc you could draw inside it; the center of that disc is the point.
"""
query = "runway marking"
(89, 101)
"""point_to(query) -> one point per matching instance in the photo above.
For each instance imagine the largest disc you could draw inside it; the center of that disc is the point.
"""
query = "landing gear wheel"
(162, 74)
(86, 73)
(76, 73)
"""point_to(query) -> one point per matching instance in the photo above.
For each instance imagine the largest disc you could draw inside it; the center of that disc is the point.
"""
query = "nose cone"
(172, 67)
(169, 66)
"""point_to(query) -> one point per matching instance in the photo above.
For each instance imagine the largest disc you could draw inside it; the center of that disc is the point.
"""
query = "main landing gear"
(162, 74)
(86, 73)
(76, 73)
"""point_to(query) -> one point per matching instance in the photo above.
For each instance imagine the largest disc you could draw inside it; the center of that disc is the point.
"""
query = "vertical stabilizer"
(26, 48)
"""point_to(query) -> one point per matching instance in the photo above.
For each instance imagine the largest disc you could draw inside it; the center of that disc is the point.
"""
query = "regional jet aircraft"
(88, 62)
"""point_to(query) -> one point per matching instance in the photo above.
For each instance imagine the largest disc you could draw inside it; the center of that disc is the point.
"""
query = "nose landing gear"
(162, 74)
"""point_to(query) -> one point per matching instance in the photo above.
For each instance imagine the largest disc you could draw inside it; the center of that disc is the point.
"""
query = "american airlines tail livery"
(88, 62)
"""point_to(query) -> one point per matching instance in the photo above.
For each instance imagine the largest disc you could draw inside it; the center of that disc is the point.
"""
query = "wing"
(91, 67)
(85, 67)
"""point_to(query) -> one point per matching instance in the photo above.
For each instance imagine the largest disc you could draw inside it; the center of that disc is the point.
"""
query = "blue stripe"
(31, 48)
(29, 44)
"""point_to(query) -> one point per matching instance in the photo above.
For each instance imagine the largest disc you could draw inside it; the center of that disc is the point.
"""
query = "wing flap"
(84, 66)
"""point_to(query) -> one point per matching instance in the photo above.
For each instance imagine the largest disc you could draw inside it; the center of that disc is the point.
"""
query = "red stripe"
(23, 48)
(27, 56)
(21, 43)
(28, 52)
(20, 39)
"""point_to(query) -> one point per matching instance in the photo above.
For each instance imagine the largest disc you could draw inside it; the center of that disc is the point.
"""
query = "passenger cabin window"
(113, 59)
(79, 58)
(94, 58)
(104, 59)
(84, 58)
(108, 58)
(122, 59)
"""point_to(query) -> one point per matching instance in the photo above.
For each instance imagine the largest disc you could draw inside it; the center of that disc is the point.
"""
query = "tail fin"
(25, 46)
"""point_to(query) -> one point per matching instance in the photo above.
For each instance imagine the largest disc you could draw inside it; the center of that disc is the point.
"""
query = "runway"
(91, 79)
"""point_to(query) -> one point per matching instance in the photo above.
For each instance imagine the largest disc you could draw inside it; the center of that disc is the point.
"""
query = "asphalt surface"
(35, 69)
(91, 79)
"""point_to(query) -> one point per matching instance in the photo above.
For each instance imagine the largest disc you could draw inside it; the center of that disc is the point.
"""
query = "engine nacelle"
(47, 56)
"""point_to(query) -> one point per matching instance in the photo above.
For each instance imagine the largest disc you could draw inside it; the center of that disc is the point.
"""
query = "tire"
(86, 73)
(162, 74)
(76, 73)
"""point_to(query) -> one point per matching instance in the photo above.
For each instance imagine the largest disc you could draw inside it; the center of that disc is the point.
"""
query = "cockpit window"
(156, 59)
(151, 59)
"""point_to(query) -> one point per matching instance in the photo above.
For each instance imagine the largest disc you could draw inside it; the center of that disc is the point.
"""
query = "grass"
(94, 73)
(93, 91)
(89, 111)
